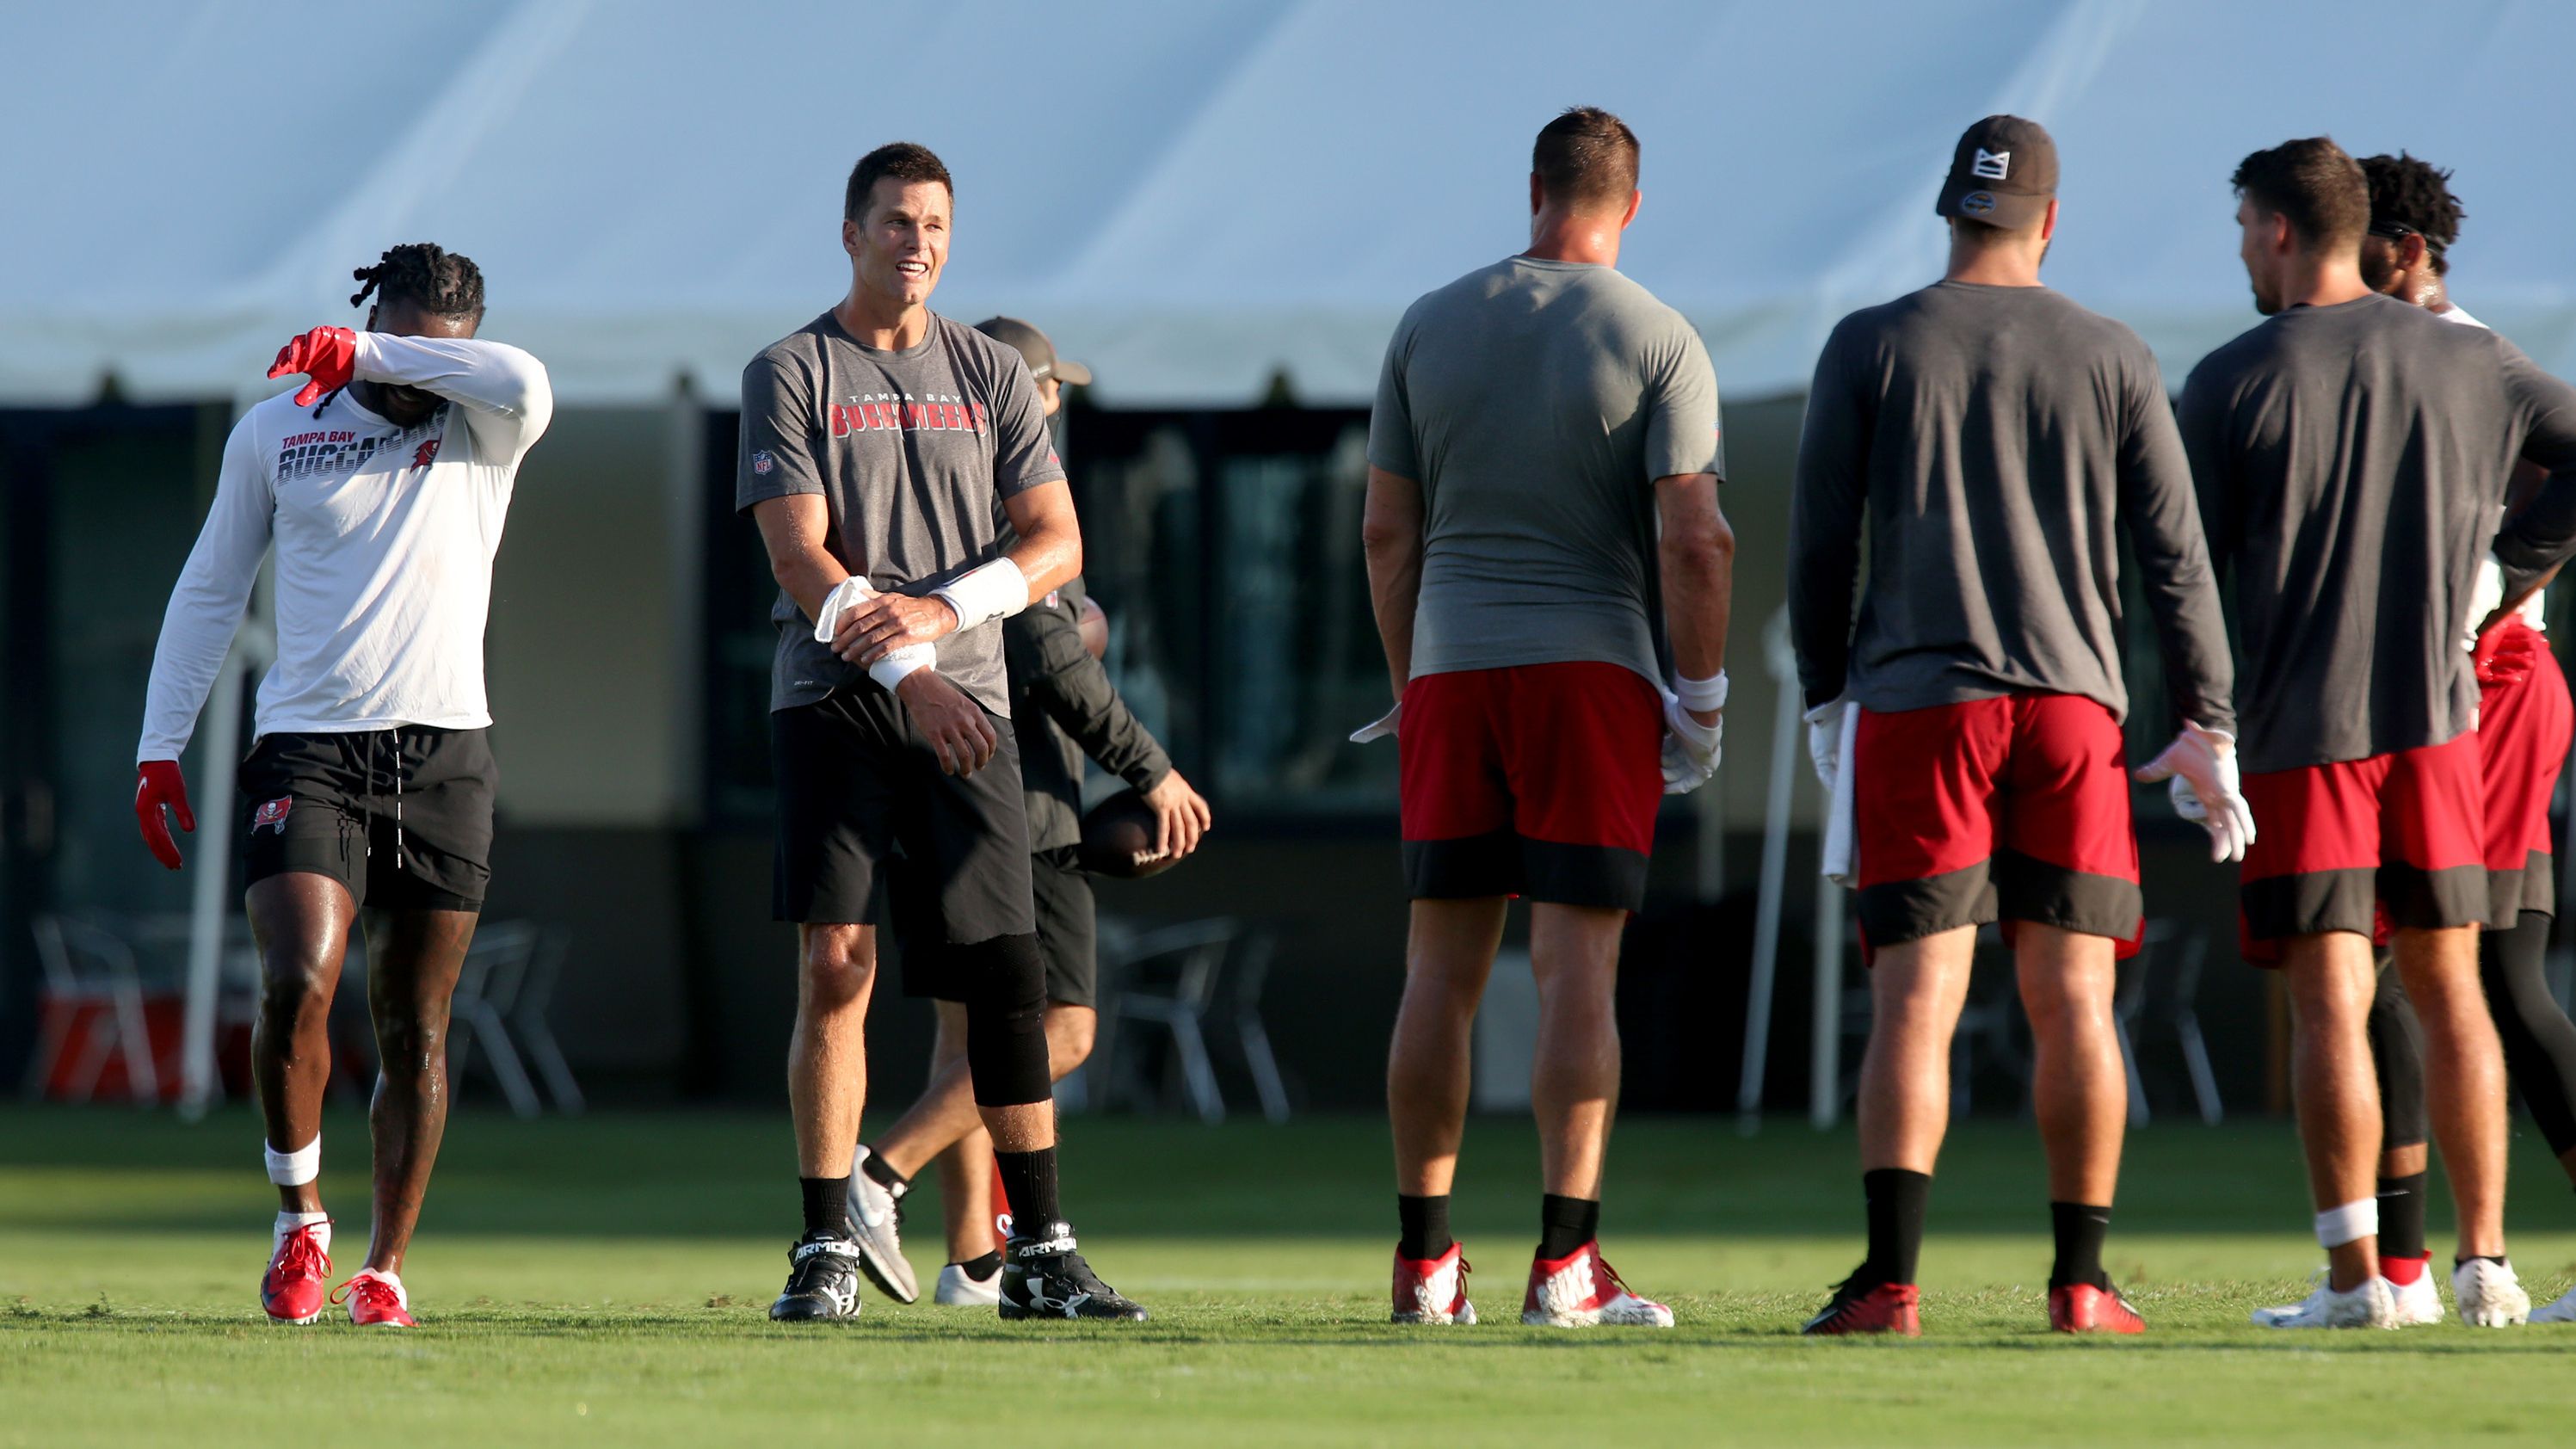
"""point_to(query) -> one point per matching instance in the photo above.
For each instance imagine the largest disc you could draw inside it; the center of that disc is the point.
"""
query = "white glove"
(1825, 740)
(2207, 788)
(849, 594)
(1691, 749)
(1381, 727)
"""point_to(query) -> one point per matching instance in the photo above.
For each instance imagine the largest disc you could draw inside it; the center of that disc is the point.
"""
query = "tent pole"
(1781, 663)
(197, 1085)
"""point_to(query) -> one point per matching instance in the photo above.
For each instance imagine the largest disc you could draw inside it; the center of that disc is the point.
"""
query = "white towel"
(1840, 864)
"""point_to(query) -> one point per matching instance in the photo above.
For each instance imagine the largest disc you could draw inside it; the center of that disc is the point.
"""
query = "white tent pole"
(1781, 663)
(1824, 1058)
(197, 1085)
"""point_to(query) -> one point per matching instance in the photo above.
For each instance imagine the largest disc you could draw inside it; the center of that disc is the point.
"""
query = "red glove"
(157, 783)
(326, 355)
(2506, 653)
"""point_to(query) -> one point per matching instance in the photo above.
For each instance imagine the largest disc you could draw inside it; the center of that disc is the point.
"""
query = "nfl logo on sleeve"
(763, 463)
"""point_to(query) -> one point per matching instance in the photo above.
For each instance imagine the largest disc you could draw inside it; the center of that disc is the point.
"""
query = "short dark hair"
(1586, 157)
(2416, 194)
(435, 280)
(901, 160)
(2313, 183)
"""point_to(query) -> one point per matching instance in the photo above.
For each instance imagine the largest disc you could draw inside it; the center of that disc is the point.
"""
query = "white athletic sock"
(2349, 1223)
(289, 1222)
(294, 1169)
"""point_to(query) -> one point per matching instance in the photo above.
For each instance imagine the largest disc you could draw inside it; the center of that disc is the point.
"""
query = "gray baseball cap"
(1035, 349)
(2004, 173)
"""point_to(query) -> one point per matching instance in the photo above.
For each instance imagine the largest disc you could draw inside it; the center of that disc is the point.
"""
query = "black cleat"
(1043, 1277)
(822, 1281)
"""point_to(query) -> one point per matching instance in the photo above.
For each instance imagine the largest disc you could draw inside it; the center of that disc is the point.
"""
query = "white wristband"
(995, 590)
(294, 1169)
(891, 670)
(2350, 1223)
(1701, 694)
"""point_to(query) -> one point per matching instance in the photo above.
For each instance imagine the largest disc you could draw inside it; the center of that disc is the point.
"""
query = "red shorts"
(2365, 846)
(2524, 729)
(1540, 780)
(2011, 809)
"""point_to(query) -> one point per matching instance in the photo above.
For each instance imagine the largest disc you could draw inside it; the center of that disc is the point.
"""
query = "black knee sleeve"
(2397, 1053)
(2539, 1041)
(1006, 1045)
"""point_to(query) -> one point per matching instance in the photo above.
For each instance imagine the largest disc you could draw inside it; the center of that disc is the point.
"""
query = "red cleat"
(1581, 1290)
(376, 1300)
(1432, 1290)
(298, 1271)
(2083, 1308)
(1859, 1307)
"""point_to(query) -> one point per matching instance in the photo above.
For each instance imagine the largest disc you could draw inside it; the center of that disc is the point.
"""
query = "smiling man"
(876, 441)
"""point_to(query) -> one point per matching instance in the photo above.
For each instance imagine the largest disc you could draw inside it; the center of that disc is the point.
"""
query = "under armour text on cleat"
(298, 1276)
(1043, 1277)
(961, 1289)
(822, 1281)
(1581, 1289)
(2489, 1294)
(2083, 1308)
(2368, 1304)
(1432, 1290)
(1862, 1304)
(876, 1222)
(376, 1300)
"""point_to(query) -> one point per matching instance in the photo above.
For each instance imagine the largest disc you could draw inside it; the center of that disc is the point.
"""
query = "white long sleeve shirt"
(384, 538)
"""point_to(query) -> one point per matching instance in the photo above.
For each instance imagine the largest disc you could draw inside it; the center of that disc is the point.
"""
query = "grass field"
(605, 1281)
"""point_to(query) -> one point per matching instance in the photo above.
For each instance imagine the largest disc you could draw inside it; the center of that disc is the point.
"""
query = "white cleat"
(2489, 1295)
(2418, 1303)
(2562, 1311)
(1432, 1290)
(2370, 1304)
(959, 1290)
(876, 1226)
(1580, 1290)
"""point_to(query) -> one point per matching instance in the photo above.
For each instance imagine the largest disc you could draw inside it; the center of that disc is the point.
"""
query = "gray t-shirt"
(1537, 402)
(912, 452)
(2350, 461)
(1998, 439)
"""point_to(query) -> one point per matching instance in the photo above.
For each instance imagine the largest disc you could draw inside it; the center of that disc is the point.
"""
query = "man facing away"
(382, 485)
(879, 444)
(2351, 453)
(1995, 439)
(1543, 467)
(1063, 710)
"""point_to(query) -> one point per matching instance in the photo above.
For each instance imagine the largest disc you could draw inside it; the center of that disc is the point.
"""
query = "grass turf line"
(605, 1280)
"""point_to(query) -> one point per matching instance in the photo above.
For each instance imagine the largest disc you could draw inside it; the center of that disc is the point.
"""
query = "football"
(1118, 839)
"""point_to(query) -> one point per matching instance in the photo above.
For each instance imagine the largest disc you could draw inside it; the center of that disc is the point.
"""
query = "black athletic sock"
(884, 1175)
(981, 1269)
(1896, 1200)
(2401, 1216)
(2080, 1228)
(827, 1205)
(1423, 1224)
(1566, 1223)
(1028, 1180)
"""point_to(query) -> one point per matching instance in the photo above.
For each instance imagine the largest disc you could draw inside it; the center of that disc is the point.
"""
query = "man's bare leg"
(1574, 1079)
(2331, 979)
(1917, 989)
(2079, 1087)
(1448, 957)
(411, 979)
(827, 1058)
(2463, 1077)
(301, 922)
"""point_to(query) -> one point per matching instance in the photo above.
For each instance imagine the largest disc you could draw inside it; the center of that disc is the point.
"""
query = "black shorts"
(1068, 931)
(402, 817)
(856, 782)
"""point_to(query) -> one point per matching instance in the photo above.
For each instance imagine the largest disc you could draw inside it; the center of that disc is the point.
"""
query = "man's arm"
(2163, 520)
(1829, 494)
(1047, 658)
(206, 606)
(2543, 535)
(508, 399)
(793, 530)
(1697, 555)
(2202, 420)
(1391, 538)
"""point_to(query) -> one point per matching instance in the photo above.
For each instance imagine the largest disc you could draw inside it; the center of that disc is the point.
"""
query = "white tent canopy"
(1192, 197)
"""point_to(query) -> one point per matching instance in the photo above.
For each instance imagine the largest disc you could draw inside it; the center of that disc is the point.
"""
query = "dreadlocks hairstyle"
(437, 281)
(2416, 194)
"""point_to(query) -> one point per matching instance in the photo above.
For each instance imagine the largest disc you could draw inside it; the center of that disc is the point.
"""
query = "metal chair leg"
(1196, 1070)
(1264, 1066)
(2138, 1113)
(2195, 1056)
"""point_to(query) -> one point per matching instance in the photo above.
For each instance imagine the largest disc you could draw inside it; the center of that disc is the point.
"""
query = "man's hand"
(954, 725)
(889, 622)
(158, 784)
(2206, 788)
(1692, 741)
(1180, 816)
(328, 358)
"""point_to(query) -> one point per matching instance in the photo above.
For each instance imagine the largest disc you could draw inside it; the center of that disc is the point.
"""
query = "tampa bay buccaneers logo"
(272, 815)
(425, 454)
